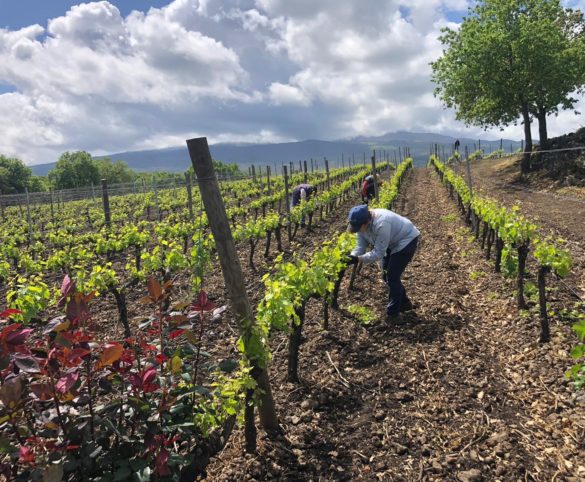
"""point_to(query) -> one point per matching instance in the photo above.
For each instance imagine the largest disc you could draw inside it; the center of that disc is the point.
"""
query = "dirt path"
(463, 393)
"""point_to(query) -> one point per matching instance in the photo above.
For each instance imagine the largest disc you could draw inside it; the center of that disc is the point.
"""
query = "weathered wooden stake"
(106, 200)
(268, 179)
(189, 195)
(234, 280)
(28, 216)
(305, 172)
(375, 174)
(287, 202)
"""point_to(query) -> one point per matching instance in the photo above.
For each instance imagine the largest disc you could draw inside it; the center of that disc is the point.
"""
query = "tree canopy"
(74, 169)
(512, 59)
(14, 175)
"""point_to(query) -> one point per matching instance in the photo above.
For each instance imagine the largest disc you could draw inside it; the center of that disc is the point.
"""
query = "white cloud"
(239, 70)
(281, 94)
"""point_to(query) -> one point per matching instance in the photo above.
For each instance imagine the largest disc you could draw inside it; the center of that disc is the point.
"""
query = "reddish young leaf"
(112, 353)
(18, 337)
(10, 392)
(162, 467)
(66, 383)
(68, 286)
(76, 356)
(42, 391)
(9, 312)
(77, 308)
(161, 358)
(149, 375)
(203, 303)
(25, 455)
(154, 288)
(176, 333)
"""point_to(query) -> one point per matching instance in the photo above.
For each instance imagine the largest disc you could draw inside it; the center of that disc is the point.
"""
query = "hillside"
(176, 159)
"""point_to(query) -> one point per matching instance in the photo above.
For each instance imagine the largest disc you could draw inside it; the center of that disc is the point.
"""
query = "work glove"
(351, 259)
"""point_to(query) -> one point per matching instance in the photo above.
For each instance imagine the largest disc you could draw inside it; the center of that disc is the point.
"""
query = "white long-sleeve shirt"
(386, 230)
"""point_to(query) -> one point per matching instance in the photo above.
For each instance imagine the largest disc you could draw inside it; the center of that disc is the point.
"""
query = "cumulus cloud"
(232, 70)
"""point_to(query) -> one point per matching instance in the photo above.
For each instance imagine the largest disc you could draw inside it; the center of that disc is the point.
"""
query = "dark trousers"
(394, 266)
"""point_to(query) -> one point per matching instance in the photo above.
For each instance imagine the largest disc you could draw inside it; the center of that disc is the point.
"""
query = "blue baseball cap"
(358, 216)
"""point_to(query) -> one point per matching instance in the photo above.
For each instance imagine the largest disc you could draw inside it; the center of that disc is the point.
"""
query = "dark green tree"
(114, 172)
(222, 169)
(74, 169)
(14, 175)
(505, 63)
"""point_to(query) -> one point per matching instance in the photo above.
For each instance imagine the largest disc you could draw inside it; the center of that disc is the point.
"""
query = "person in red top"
(368, 190)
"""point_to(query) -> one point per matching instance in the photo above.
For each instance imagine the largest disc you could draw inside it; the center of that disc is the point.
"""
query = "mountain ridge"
(176, 159)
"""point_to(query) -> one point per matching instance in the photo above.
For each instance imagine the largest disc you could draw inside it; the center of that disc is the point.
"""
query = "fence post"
(93, 192)
(375, 174)
(253, 173)
(28, 216)
(327, 173)
(469, 184)
(189, 194)
(155, 187)
(312, 166)
(305, 171)
(234, 281)
(268, 179)
(287, 201)
(106, 203)
(52, 210)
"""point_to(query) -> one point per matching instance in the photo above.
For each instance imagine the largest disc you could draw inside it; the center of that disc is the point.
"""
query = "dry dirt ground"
(462, 392)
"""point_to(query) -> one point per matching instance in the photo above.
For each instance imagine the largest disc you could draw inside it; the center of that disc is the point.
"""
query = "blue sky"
(114, 76)
(15, 14)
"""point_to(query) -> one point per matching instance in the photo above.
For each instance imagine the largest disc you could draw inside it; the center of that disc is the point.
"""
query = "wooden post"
(253, 173)
(268, 179)
(327, 173)
(287, 202)
(342, 161)
(300, 166)
(106, 200)
(52, 210)
(312, 166)
(233, 277)
(189, 195)
(291, 168)
(375, 174)
(469, 183)
(305, 172)
(28, 216)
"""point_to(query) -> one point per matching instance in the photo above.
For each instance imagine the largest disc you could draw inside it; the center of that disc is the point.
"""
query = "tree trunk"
(542, 131)
(525, 164)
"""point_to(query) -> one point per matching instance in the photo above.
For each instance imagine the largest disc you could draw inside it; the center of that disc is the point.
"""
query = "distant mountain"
(176, 159)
